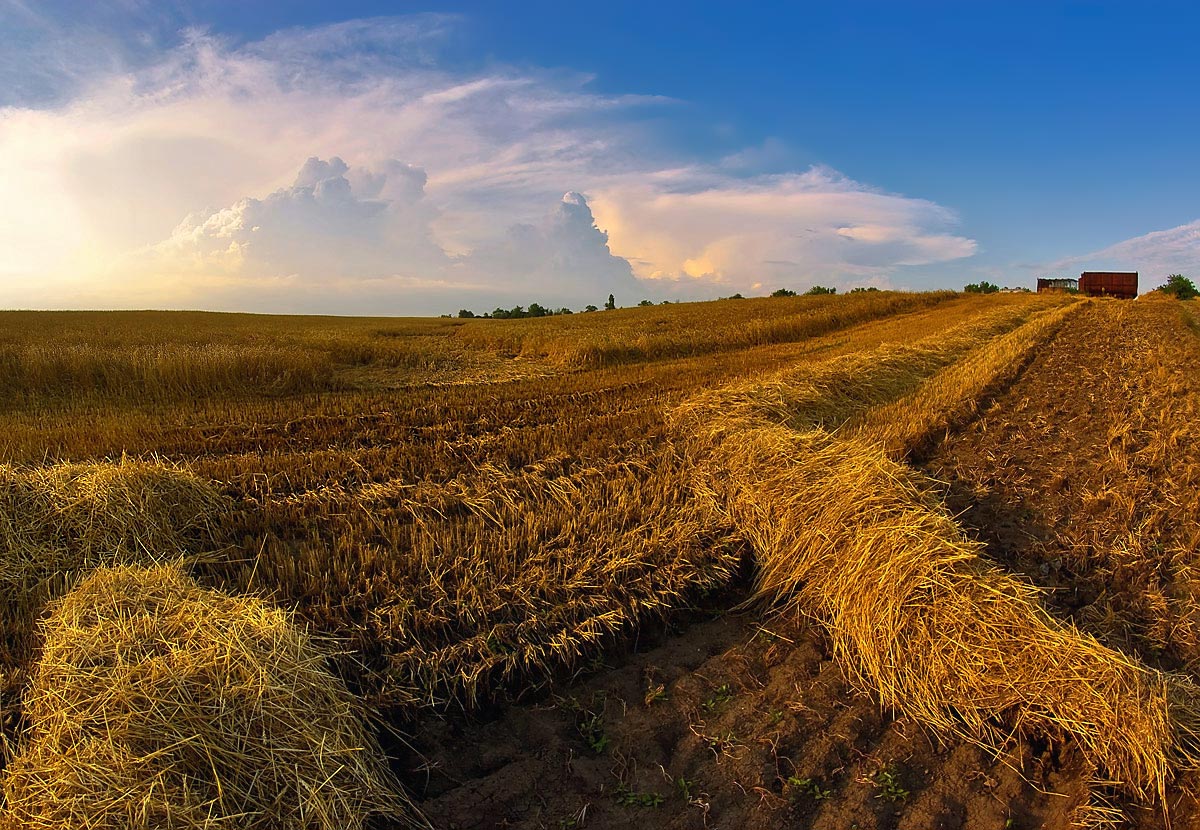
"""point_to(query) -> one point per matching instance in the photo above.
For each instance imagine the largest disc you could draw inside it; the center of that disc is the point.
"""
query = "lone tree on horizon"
(611, 304)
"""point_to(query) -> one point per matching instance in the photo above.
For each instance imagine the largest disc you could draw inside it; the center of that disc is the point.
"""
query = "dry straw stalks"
(159, 704)
(861, 542)
(953, 395)
(58, 523)
(449, 591)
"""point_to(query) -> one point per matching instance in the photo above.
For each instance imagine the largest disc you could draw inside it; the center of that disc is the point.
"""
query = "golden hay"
(158, 703)
(67, 516)
(539, 569)
(59, 522)
(859, 542)
(952, 395)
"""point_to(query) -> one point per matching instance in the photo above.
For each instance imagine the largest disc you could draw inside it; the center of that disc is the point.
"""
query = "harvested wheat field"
(875, 561)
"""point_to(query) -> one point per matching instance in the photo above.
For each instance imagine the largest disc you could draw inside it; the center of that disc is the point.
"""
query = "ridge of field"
(861, 544)
(53, 358)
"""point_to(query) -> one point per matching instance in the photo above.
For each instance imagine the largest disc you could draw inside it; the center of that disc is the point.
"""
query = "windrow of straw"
(157, 703)
(860, 542)
(827, 395)
(638, 335)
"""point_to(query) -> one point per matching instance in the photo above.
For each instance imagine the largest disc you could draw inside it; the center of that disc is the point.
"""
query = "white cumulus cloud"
(333, 220)
(427, 188)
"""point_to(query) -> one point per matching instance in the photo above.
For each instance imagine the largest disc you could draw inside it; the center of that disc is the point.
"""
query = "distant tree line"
(539, 310)
(517, 312)
(983, 287)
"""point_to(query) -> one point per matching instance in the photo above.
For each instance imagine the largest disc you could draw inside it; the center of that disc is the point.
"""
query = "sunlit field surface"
(448, 525)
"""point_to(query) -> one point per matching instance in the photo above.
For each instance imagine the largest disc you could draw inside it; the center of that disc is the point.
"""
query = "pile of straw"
(158, 703)
(59, 522)
(67, 515)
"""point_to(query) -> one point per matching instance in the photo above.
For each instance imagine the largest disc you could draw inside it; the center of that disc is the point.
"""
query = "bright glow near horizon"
(350, 167)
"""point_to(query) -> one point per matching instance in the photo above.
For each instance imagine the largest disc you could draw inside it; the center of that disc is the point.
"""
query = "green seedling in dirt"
(720, 696)
(630, 798)
(656, 694)
(775, 717)
(721, 744)
(591, 728)
(889, 785)
(768, 635)
(809, 787)
(685, 787)
(499, 647)
(588, 723)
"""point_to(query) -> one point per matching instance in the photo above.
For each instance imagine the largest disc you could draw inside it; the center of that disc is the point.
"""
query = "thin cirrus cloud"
(1155, 255)
(183, 182)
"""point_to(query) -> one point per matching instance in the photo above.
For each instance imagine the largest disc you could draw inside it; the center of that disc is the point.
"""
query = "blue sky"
(155, 151)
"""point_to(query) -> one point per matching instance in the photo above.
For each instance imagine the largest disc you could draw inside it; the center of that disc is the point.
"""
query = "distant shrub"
(645, 303)
(1179, 287)
(818, 290)
(783, 292)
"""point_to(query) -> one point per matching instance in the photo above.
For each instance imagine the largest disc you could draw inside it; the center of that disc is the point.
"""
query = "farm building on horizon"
(1120, 284)
(1048, 284)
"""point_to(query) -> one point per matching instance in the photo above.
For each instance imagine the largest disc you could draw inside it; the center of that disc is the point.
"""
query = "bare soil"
(731, 724)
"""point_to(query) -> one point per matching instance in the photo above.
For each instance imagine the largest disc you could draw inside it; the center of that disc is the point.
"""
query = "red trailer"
(1121, 284)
